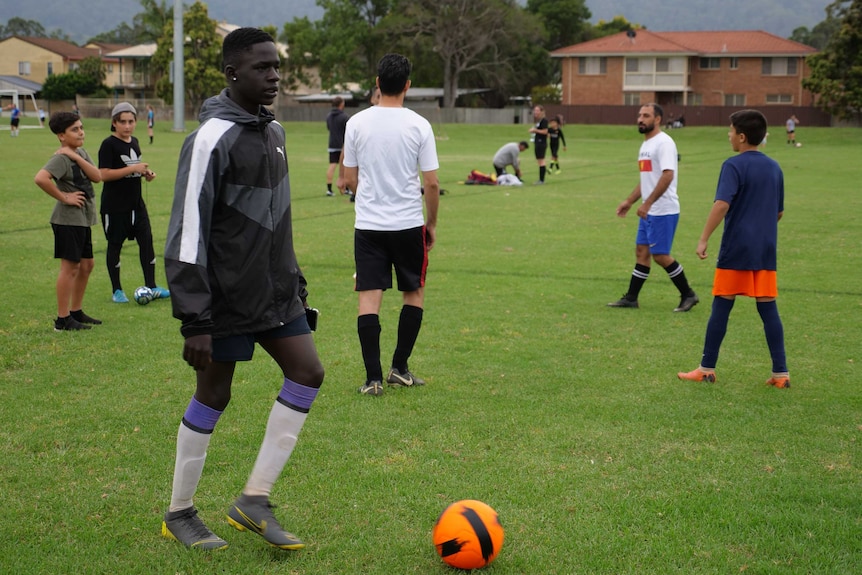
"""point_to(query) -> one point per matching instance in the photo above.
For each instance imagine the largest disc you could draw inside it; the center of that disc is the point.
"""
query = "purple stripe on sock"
(301, 396)
(201, 416)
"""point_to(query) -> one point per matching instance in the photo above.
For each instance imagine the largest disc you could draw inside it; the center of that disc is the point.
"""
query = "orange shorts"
(751, 283)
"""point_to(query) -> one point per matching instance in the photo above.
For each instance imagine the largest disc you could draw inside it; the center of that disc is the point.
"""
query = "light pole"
(179, 69)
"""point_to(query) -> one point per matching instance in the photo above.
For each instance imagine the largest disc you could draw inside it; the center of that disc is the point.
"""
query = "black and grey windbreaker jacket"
(229, 255)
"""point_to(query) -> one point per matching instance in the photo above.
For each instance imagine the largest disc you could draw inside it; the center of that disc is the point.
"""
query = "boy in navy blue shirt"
(750, 200)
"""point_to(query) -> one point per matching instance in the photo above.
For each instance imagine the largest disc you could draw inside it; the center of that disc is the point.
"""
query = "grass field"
(564, 415)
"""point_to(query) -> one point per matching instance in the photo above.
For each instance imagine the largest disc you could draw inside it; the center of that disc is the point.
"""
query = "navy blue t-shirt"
(753, 184)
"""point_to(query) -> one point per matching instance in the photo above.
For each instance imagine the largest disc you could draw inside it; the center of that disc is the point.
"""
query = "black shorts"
(335, 157)
(376, 253)
(14, 122)
(73, 243)
(123, 226)
(540, 150)
(241, 347)
(555, 150)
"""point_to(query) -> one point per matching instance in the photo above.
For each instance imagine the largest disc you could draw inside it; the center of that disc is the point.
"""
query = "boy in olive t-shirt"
(68, 177)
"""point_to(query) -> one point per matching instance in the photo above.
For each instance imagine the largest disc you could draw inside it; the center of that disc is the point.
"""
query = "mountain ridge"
(779, 17)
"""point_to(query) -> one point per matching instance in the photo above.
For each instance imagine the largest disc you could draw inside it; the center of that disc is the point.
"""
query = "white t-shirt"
(656, 155)
(390, 146)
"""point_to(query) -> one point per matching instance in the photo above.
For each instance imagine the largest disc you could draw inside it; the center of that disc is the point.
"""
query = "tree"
(92, 69)
(819, 36)
(466, 35)
(146, 26)
(836, 72)
(21, 27)
(617, 24)
(62, 86)
(344, 46)
(567, 21)
(302, 38)
(150, 23)
(203, 75)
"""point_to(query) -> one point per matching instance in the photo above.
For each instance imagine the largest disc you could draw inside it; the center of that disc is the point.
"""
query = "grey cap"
(123, 107)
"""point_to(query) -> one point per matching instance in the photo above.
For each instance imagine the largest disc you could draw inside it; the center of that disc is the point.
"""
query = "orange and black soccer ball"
(468, 534)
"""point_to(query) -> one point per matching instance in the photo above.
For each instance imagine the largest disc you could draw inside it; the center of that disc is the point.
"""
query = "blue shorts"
(657, 233)
(241, 347)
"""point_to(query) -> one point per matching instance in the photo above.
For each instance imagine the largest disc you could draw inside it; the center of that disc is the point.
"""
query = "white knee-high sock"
(191, 454)
(282, 429)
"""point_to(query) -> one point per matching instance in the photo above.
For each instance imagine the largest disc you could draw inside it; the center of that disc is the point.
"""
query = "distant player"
(336, 123)
(750, 200)
(556, 137)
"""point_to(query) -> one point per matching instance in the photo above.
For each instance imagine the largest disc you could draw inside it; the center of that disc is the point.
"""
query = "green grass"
(564, 415)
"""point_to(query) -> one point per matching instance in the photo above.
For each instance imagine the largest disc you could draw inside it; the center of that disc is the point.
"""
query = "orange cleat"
(779, 382)
(698, 375)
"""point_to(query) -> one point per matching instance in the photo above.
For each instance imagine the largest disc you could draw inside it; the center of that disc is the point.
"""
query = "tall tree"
(567, 21)
(836, 72)
(202, 54)
(343, 46)
(150, 23)
(819, 36)
(466, 35)
(21, 27)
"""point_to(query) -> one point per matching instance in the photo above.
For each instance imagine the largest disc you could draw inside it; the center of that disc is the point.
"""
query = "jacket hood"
(222, 107)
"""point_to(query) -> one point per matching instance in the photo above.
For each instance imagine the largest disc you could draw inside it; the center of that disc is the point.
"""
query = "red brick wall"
(606, 89)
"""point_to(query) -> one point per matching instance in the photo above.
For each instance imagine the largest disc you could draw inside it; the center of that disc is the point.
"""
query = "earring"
(234, 78)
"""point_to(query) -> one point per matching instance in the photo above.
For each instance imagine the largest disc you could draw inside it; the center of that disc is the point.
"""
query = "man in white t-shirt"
(385, 148)
(658, 212)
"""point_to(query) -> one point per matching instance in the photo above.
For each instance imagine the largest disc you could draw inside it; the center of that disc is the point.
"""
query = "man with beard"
(658, 212)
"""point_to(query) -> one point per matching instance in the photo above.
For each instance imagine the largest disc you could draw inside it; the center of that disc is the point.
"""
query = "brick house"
(686, 69)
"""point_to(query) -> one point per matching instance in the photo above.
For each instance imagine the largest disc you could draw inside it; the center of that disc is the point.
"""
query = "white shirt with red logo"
(657, 155)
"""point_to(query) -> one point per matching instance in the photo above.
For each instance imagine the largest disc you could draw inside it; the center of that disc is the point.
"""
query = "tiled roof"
(717, 43)
(65, 49)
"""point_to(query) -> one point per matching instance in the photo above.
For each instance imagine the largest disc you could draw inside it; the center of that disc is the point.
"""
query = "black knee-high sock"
(774, 330)
(677, 275)
(409, 325)
(113, 261)
(542, 171)
(716, 328)
(148, 259)
(639, 276)
(368, 327)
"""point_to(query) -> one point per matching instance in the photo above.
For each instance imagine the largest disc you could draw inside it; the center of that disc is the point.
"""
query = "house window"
(23, 68)
(779, 67)
(50, 68)
(109, 68)
(734, 63)
(592, 66)
(631, 99)
(734, 99)
(710, 64)
(632, 64)
(695, 99)
(779, 98)
(662, 64)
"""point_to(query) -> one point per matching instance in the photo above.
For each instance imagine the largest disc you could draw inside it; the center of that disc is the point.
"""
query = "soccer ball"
(468, 534)
(144, 295)
(798, 144)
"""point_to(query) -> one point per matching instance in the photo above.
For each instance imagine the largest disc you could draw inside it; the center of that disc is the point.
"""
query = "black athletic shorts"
(335, 157)
(241, 347)
(540, 150)
(376, 253)
(73, 243)
(123, 226)
(14, 122)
